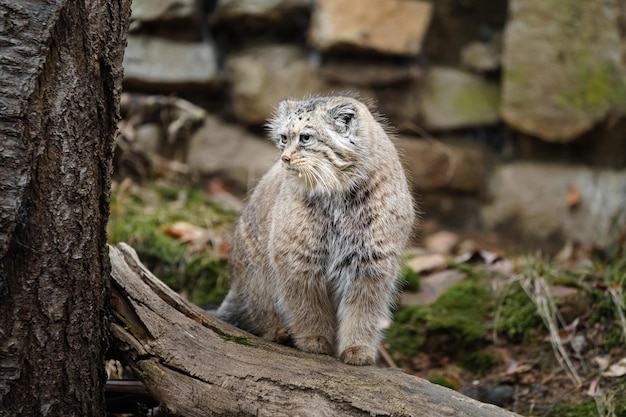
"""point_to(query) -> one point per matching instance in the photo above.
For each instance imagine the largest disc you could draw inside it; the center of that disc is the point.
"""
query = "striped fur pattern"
(317, 248)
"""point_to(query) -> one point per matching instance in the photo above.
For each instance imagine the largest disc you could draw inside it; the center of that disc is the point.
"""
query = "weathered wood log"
(197, 365)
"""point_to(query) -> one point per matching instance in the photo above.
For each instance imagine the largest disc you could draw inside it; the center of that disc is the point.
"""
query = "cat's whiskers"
(325, 176)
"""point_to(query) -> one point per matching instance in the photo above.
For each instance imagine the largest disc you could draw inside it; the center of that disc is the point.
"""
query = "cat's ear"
(280, 113)
(344, 118)
(285, 107)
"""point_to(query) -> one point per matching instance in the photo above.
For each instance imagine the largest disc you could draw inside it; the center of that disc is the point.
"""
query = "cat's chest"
(340, 223)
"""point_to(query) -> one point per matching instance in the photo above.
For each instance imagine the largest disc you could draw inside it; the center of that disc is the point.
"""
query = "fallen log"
(197, 365)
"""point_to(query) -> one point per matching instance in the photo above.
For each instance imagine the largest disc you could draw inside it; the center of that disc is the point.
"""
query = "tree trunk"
(196, 365)
(60, 80)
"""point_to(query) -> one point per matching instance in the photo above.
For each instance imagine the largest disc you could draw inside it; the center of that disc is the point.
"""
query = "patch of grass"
(605, 406)
(609, 302)
(407, 332)
(138, 217)
(410, 280)
(516, 316)
(454, 323)
(443, 381)
(586, 409)
(478, 362)
(613, 337)
(457, 318)
(603, 311)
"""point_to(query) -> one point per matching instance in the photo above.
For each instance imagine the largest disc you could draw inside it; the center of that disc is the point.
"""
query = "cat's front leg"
(308, 311)
(363, 310)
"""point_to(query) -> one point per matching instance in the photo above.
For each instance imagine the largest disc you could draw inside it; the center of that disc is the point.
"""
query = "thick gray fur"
(317, 249)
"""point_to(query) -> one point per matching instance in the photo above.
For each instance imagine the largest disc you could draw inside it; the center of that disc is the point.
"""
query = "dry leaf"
(484, 256)
(186, 232)
(602, 362)
(594, 388)
(566, 334)
(514, 368)
(574, 197)
(616, 370)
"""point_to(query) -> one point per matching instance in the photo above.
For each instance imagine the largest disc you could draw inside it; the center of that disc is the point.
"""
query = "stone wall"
(502, 107)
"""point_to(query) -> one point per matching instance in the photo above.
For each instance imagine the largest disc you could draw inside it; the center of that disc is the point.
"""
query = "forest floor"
(539, 335)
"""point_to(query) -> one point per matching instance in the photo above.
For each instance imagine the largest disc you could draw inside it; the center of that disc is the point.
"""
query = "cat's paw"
(358, 355)
(314, 344)
(277, 334)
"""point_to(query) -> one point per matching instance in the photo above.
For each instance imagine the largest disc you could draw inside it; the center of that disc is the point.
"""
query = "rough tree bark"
(197, 365)
(60, 80)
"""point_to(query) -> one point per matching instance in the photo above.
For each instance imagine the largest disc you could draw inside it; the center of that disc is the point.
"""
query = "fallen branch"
(197, 365)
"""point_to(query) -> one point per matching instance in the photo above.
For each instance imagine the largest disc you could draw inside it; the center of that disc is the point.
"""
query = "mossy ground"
(489, 327)
(452, 325)
(602, 407)
(140, 217)
(467, 329)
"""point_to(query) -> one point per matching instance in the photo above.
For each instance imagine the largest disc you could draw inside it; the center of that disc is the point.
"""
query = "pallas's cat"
(316, 251)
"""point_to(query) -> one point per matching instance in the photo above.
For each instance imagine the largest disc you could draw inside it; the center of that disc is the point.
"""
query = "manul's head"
(324, 141)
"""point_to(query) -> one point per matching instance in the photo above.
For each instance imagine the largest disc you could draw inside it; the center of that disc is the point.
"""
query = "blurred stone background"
(510, 114)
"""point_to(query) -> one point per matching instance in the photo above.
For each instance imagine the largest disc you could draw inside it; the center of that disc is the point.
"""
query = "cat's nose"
(285, 159)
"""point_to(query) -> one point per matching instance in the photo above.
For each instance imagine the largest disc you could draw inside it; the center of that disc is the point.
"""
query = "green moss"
(139, 216)
(443, 381)
(478, 362)
(614, 273)
(407, 332)
(454, 323)
(590, 409)
(603, 311)
(409, 279)
(478, 101)
(517, 317)
(515, 76)
(613, 337)
(457, 317)
(597, 86)
(472, 273)
(240, 340)
(587, 409)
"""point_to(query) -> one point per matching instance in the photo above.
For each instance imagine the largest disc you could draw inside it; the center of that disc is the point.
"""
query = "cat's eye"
(283, 139)
(304, 139)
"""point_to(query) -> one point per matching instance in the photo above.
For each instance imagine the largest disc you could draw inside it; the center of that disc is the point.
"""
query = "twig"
(618, 301)
(538, 291)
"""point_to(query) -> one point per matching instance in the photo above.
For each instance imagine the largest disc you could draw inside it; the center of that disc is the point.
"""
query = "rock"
(164, 10)
(454, 99)
(390, 27)
(401, 104)
(442, 241)
(499, 395)
(455, 22)
(439, 165)
(563, 69)
(530, 202)
(481, 57)
(230, 151)
(432, 286)
(427, 262)
(164, 65)
(261, 77)
(259, 11)
(148, 138)
(368, 71)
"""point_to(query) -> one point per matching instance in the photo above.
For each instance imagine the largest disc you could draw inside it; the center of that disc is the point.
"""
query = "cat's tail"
(230, 310)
